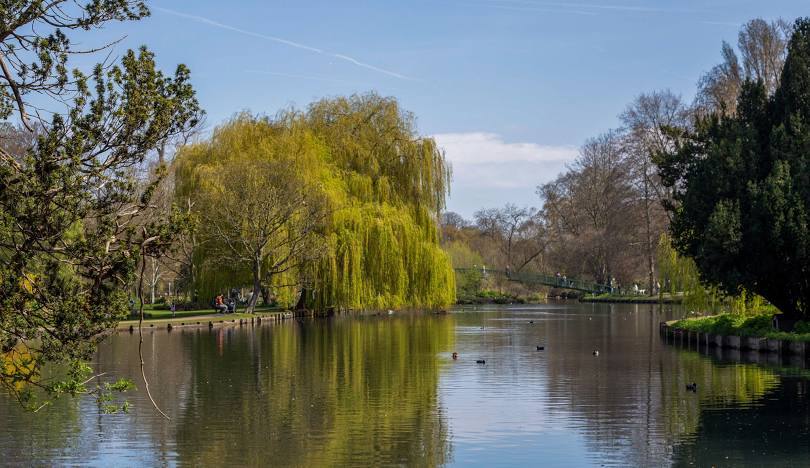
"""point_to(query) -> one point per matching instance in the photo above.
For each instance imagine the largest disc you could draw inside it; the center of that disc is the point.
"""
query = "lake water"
(384, 390)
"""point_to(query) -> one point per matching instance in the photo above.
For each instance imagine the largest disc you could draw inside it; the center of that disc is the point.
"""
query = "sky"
(508, 88)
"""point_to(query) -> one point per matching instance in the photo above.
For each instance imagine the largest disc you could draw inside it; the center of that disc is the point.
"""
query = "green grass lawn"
(665, 298)
(151, 314)
(741, 325)
(188, 320)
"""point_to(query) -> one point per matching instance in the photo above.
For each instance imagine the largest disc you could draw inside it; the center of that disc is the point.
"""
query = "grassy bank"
(611, 298)
(740, 325)
(159, 314)
(497, 297)
(200, 318)
(157, 317)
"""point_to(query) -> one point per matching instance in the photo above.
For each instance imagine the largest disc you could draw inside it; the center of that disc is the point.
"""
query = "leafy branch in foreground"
(74, 221)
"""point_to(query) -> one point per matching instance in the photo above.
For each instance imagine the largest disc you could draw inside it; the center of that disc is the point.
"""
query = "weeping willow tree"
(258, 200)
(384, 248)
(382, 186)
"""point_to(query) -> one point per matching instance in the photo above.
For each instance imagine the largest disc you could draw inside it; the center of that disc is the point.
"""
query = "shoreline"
(210, 320)
(633, 299)
(673, 334)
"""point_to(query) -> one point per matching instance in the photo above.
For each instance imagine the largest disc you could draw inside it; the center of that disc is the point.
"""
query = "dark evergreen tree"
(742, 189)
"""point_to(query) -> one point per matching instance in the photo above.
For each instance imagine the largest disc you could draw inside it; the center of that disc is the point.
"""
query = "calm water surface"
(384, 390)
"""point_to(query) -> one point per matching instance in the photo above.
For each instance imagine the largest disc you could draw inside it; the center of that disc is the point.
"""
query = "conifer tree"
(742, 189)
(72, 217)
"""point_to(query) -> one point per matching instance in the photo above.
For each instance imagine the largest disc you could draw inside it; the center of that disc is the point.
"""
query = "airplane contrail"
(595, 6)
(280, 40)
(301, 77)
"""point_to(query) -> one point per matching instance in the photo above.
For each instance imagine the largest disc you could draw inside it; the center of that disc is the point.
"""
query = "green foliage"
(382, 256)
(73, 219)
(468, 284)
(383, 186)
(675, 272)
(37, 46)
(498, 297)
(680, 275)
(664, 298)
(461, 255)
(742, 195)
(106, 396)
(375, 143)
(489, 296)
(760, 325)
(35, 391)
(730, 324)
(260, 199)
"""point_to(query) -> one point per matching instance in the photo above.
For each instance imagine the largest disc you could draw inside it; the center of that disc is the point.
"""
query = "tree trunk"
(193, 272)
(161, 151)
(266, 295)
(604, 266)
(650, 247)
(302, 300)
(257, 284)
(155, 278)
(651, 265)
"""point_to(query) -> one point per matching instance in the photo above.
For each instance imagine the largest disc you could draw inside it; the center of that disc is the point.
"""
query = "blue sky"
(510, 88)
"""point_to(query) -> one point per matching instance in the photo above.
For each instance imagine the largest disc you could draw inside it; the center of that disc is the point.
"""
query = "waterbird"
(480, 361)
(596, 353)
(455, 355)
(540, 348)
(692, 387)
(531, 321)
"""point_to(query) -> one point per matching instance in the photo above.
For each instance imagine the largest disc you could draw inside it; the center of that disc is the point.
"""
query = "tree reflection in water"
(327, 392)
(384, 390)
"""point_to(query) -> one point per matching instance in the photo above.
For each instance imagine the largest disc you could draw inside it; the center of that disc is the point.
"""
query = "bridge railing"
(545, 280)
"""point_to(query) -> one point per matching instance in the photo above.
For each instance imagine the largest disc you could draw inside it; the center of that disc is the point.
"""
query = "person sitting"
(219, 305)
(231, 306)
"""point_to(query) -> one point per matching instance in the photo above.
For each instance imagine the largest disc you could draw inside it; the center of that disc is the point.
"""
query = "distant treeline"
(608, 217)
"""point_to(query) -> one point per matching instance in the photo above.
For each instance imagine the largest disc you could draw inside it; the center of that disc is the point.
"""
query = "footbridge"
(539, 279)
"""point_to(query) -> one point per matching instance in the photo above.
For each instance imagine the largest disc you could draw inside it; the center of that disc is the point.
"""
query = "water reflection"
(564, 406)
(772, 432)
(384, 390)
(346, 391)
(754, 411)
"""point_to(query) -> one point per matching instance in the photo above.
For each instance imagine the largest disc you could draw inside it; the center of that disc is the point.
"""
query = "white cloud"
(487, 171)
(482, 147)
